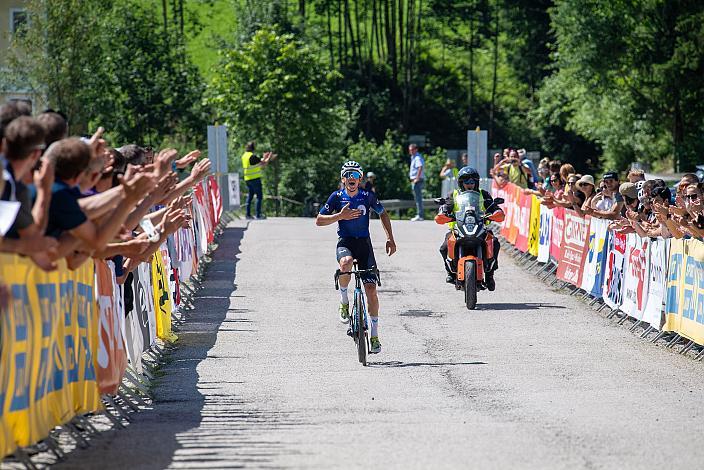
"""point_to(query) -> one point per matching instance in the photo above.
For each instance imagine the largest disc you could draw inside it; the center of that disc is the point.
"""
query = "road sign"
(233, 189)
(477, 151)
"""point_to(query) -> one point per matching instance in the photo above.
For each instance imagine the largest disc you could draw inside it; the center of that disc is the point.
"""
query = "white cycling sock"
(343, 296)
(375, 325)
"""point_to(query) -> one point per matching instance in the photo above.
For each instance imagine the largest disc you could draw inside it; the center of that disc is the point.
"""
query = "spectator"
(636, 175)
(608, 203)
(56, 126)
(252, 166)
(22, 146)
(518, 174)
(369, 185)
(586, 185)
(417, 177)
(449, 170)
(527, 162)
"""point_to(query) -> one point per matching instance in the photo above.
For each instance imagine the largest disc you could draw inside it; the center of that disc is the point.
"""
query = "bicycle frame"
(358, 315)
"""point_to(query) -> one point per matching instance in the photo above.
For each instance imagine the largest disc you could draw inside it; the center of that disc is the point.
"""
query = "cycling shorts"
(361, 250)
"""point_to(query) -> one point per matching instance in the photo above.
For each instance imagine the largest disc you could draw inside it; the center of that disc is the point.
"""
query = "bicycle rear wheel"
(361, 338)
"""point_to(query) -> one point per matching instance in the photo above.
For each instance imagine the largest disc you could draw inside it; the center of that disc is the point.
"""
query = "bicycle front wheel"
(361, 332)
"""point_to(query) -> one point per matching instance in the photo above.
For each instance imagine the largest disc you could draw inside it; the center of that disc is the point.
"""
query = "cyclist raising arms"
(350, 207)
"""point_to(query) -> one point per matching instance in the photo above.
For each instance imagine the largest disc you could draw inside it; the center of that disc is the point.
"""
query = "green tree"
(277, 90)
(631, 74)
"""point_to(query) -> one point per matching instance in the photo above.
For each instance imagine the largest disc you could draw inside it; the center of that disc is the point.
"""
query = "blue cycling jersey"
(363, 200)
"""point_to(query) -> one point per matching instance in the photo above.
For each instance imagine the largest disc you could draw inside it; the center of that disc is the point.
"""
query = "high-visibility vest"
(456, 207)
(251, 172)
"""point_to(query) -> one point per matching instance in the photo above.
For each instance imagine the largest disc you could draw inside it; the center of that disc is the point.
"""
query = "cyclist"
(350, 207)
(468, 180)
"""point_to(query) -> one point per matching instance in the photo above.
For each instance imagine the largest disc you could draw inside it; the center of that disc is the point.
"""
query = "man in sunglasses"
(350, 207)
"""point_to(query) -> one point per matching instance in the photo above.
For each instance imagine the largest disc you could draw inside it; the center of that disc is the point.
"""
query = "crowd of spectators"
(648, 208)
(79, 198)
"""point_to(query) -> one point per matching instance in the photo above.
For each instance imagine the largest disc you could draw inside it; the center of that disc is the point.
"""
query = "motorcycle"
(467, 241)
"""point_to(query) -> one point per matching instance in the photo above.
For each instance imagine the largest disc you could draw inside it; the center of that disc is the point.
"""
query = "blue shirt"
(416, 163)
(364, 201)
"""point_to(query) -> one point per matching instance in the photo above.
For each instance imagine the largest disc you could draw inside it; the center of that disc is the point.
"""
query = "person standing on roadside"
(417, 177)
(252, 166)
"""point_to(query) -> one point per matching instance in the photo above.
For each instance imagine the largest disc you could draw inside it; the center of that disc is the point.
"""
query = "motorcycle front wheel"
(470, 284)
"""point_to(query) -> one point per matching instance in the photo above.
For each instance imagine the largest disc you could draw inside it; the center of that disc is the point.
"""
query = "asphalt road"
(266, 377)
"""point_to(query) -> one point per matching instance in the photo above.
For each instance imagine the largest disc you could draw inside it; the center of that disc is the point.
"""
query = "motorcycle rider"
(468, 180)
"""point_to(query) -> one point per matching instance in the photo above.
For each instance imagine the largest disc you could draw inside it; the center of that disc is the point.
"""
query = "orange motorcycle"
(467, 242)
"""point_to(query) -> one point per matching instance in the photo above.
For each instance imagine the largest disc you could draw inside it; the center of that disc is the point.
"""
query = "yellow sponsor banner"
(49, 335)
(684, 307)
(162, 304)
(534, 227)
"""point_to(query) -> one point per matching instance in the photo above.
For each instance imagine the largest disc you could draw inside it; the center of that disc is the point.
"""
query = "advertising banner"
(524, 206)
(534, 230)
(513, 230)
(635, 276)
(111, 356)
(544, 239)
(48, 333)
(144, 304)
(162, 304)
(556, 233)
(685, 290)
(593, 277)
(613, 276)
(574, 248)
(657, 280)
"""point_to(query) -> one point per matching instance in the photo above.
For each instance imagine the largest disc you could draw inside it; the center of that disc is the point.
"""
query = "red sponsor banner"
(515, 218)
(111, 356)
(574, 248)
(556, 230)
(509, 195)
(523, 220)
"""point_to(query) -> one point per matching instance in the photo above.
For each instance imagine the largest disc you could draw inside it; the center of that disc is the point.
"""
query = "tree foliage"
(276, 89)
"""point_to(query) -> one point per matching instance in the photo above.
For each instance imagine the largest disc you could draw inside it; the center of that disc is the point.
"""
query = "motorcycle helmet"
(467, 174)
(351, 165)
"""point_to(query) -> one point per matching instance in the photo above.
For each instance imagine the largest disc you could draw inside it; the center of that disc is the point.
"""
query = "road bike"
(358, 324)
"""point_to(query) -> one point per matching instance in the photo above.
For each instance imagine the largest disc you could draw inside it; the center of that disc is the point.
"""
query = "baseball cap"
(629, 190)
(610, 175)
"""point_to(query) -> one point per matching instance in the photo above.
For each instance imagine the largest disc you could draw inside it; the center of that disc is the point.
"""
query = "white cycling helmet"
(351, 165)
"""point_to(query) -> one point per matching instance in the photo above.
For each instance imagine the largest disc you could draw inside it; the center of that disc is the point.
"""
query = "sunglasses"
(691, 197)
(352, 174)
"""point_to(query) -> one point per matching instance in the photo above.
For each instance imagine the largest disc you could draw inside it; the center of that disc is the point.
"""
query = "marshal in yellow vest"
(251, 172)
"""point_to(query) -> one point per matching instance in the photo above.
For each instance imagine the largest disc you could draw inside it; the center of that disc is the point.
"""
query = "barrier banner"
(111, 356)
(544, 238)
(510, 207)
(162, 304)
(534, 231)
(574, 248)
(556, 233)
(685, 290)
(49, 333)
(613, 276)
(144, 305)
(593, 277)
(524, 206)
(514, 228)
(657, 280)
(635, 277)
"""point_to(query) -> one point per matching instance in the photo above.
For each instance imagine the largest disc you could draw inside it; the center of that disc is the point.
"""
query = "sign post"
(477, 151)
(217, 153)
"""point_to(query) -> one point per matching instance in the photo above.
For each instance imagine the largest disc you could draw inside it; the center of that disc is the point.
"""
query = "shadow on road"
(516, 306)
(423, 364)
(191, 422)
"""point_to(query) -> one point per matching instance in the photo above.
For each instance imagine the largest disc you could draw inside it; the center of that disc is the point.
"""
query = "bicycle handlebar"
(357, 272)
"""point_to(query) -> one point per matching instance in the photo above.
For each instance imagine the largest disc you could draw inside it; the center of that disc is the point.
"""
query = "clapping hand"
(190, 157)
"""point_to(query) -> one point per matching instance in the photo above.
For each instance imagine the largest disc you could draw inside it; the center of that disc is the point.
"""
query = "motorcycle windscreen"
(469, 209)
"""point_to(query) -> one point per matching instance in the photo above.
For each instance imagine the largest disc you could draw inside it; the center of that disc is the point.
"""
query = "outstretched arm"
(390, 243)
